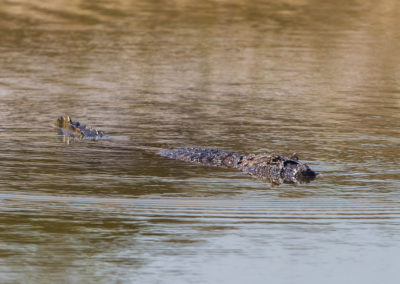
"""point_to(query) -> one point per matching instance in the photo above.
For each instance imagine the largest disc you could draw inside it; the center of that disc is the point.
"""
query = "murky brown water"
(320, 78)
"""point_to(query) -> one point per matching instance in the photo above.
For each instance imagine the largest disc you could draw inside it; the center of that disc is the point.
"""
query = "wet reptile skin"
(75, 129)
(268, 167)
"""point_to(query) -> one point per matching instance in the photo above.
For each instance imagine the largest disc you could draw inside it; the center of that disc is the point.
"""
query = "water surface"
(319, 78)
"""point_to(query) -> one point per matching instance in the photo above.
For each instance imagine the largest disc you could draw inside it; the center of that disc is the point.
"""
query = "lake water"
(319, 78)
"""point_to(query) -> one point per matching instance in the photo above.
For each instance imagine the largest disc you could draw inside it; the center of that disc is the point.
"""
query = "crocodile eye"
(275, 159)
(294, 157)
(290, 162)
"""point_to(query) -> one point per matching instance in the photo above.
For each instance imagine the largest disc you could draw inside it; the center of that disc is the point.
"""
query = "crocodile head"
(276, 169)
(297, 172)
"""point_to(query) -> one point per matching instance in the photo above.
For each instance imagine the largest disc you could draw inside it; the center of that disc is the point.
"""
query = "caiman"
(267, 167)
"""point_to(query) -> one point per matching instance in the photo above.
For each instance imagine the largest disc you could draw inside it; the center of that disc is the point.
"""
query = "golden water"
(319, 78)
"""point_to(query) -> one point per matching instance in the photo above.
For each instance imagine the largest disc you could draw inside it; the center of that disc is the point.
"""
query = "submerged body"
(268, 167)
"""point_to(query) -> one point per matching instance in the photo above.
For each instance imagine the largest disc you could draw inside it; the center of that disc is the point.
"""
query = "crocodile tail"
(205, 156)
(66, 126)
(63, 121)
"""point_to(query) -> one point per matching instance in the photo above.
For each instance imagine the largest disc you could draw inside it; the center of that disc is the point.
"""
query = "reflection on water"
(319, 78)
